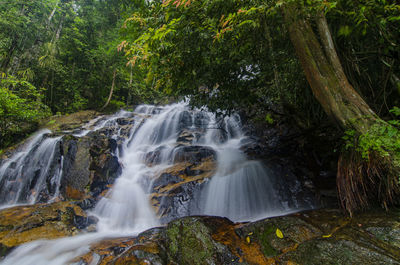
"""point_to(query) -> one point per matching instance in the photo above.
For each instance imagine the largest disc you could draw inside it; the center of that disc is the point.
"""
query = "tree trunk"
(325, 74)
(52, 14)
(6, 62)
(111, 91)
(342, 103)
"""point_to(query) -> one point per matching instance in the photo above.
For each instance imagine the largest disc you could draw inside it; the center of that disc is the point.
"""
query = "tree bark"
(325, 74)
(111, 91)
(52, 14)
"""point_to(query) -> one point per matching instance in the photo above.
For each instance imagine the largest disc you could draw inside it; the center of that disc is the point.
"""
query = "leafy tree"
(225, 53)
(21, 108)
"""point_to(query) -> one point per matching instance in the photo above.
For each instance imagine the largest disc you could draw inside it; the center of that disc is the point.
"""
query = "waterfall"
(241, 189)
(23, 176)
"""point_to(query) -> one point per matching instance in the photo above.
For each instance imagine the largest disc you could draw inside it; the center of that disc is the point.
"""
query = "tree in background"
(67, 51)
(69, 48)
(21, 108)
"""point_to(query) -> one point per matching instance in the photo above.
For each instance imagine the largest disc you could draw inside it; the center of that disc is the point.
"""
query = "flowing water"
(241, 189)
(23, 176)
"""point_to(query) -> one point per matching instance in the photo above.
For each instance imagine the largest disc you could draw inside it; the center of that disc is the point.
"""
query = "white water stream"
(241, 189)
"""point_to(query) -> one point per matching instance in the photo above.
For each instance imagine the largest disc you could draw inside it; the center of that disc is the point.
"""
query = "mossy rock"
(69, 121)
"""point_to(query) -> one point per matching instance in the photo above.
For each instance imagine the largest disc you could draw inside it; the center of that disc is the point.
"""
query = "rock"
(190, 241)
(22, 224)
(192, 154)
(309, 238)
(90, 166)
(154, 157)
(70, 121)
(174, 190)
(76, 167)
(185, 137)
(185, 120)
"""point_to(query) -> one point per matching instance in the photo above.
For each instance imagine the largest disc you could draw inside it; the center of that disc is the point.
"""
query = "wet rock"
(252, 147)
(185, 120)
(192, 154)
(185, 138)
(201, 120)
(104, 164)
(22, 224)
(87, 203)
(76, 167)
(330, 251)
(190, 241)
(82, 222)
(154, 157)
(124, 121)
(309, 238)
(174, 191)
(90, 166)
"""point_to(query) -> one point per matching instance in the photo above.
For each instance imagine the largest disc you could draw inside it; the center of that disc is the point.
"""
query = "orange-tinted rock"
(173, 190)
(302, 239)
(22, 224)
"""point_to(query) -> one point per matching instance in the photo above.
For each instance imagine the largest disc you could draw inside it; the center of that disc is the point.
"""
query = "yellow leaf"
(326, 236)
(279, 233)
(251, 233)
(248, 239)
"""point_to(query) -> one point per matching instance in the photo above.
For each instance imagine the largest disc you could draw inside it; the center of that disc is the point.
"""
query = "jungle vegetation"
(315, 61)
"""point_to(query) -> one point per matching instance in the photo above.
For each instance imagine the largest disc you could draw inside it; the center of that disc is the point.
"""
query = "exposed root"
(362, 182)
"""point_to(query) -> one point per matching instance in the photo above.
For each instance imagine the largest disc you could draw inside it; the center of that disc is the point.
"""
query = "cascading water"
(23, 177)
(241, 189)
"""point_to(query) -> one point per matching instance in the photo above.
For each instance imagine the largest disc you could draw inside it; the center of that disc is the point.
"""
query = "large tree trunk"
(356, 179)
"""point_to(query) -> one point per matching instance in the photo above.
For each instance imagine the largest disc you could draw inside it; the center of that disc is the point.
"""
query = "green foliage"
(381, 138)
(219, 53)
(269, 119)
(368, 41)
(69, 48)
(21, 108)
(115, 105)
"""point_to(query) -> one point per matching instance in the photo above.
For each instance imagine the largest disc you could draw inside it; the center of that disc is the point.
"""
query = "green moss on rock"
(189, 242)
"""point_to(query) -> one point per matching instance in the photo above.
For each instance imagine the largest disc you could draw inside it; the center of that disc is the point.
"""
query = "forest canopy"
(320, 63)
(66, 52)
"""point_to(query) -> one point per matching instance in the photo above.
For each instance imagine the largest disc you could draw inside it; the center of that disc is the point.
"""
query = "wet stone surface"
(22, 224)
(315, 237)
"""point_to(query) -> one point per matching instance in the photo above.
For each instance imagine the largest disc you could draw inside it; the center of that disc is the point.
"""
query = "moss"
(189, 242)
(51, 122)
(263, 235)
(172, 235)
(4, 250)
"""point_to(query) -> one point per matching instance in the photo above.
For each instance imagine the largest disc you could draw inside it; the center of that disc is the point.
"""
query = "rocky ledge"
(313, 237)
(22, 224)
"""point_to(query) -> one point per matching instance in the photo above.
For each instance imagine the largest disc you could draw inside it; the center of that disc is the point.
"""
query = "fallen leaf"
(279, 233)
(248, 239)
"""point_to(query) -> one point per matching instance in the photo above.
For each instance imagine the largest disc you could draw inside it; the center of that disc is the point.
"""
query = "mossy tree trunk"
(358, 181)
